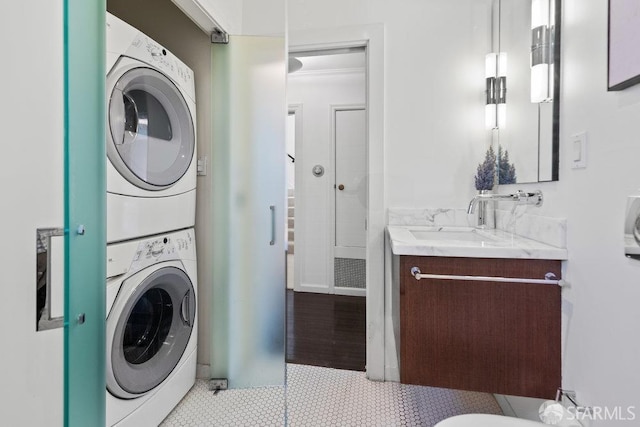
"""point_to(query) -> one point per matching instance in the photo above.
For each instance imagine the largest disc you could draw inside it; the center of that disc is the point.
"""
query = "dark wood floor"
(326, 330)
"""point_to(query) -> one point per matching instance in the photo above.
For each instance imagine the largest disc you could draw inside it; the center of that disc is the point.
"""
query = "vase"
(486, 211)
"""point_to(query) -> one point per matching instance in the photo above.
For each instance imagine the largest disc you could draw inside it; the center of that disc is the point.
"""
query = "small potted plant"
(506, 170)
(484, 180)
(485, 175)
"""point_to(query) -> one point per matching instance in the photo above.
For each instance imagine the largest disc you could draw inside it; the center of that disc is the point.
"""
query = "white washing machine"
(151, 327)
(151, 136)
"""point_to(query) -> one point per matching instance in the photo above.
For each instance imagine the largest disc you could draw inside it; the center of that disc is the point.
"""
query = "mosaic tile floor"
(327, 397)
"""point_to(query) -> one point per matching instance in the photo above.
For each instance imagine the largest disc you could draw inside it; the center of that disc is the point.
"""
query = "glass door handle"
(44, 321)
(273, 225)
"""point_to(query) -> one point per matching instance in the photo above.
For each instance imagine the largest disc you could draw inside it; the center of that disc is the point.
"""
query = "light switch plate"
(579, 150)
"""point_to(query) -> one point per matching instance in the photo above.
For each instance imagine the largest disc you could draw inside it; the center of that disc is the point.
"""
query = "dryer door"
(149, 331)
(151, 139)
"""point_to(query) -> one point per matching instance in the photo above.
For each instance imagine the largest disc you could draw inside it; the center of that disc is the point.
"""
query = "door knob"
(340, 187)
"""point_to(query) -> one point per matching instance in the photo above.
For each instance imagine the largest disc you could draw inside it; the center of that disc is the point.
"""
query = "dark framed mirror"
(527, 141)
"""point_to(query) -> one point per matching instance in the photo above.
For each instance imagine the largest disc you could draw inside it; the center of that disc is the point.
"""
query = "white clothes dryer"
(151, 327)
(150, 138)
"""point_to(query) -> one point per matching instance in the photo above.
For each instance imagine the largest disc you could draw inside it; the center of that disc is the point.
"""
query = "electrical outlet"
(202, 165)
(218, 384)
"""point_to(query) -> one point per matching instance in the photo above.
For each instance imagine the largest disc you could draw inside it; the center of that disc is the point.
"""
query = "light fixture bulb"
(539, 13)
(501, 119)
(541, 55)
(490, 116)
(540, 83)
(490, 73)
(502, 64)
(490, 65)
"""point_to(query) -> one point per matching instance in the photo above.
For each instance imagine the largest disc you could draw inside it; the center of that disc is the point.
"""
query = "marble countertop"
(467, 242)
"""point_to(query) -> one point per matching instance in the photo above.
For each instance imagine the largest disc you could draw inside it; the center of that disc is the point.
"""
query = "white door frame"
(333, 109)
(298, 253)
(372, 37)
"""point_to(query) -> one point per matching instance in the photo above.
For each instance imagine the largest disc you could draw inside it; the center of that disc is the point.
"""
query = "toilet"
(486, 420)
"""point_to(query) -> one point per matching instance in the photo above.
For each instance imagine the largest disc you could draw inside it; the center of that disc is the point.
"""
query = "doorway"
(330, 216)
(293, 134)
(378, 268)
(326, 309)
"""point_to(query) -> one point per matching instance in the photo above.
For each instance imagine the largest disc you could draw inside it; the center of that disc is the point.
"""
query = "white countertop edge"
(402, 243)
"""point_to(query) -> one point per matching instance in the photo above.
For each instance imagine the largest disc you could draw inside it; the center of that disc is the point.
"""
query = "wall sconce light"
(496, 90)
(542, 29)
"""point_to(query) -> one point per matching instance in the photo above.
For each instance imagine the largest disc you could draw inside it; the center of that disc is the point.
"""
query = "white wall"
(31, 391)
(434, 139)
(316, 93)
(431, 110)
(263, 17)
(241, 17)
(434, 90)
(602, 343)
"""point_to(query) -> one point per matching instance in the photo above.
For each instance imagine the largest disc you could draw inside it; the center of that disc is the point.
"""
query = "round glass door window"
(150, 129)
(152, 331)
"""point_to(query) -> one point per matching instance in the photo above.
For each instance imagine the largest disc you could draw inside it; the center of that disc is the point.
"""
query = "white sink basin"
(458, 235)
(467, 242)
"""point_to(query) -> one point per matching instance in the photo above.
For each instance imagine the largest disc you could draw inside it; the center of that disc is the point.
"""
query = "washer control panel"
(152, 252)
(133, 256)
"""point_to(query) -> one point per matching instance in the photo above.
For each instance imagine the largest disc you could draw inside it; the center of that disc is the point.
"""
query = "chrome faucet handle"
(529, 198)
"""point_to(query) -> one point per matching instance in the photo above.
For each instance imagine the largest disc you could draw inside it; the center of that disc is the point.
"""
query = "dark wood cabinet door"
(483, 336)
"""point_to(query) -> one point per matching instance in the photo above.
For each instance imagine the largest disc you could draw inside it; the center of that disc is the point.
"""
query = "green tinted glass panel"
(85, 193)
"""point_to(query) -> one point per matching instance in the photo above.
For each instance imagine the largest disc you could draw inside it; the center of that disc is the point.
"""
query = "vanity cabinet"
(496, 337)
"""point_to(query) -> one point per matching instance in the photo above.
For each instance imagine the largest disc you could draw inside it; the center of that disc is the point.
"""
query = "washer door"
(151, 332)
(151, 140)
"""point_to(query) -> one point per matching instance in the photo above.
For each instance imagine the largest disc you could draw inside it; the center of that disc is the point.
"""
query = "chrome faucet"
(519, 197)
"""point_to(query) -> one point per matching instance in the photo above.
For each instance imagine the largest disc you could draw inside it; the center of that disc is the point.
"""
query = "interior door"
(350, 212)
(53, 213)
(248, 179)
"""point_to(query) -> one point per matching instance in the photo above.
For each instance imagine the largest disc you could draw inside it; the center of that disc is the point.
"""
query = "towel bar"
(549, 278)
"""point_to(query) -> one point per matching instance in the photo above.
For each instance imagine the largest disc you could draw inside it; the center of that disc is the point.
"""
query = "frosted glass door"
(248, 179)
(84, 222)
(52, 309)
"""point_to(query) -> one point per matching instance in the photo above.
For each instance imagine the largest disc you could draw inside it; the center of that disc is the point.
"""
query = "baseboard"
(316, 289)
(357, 292)
(503, 402)
(391, 374)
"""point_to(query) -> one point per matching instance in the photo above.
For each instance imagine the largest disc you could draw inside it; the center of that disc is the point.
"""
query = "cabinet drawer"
(479, 335)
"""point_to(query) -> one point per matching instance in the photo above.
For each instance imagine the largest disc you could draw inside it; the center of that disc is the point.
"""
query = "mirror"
(529, 137)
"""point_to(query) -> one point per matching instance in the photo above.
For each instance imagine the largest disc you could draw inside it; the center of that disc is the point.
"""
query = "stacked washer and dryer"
(151, 254)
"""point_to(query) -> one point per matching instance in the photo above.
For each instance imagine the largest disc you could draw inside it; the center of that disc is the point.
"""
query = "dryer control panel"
(145, 49)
